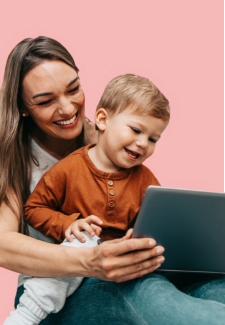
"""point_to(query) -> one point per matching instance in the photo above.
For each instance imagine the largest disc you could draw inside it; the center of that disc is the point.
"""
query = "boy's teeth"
(67, 122)
(132, 154)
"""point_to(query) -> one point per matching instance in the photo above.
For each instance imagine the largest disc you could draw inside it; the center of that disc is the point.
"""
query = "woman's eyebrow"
(50, 93)
(42, 94)
(71, 82)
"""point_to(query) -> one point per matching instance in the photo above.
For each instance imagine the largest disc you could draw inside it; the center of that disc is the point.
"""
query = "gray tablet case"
(189, 224)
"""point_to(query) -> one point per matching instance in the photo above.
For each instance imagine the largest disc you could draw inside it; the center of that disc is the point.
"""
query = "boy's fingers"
(85, 226)
(96, 229)
(79, 236)
(68, 235)
(94, 219)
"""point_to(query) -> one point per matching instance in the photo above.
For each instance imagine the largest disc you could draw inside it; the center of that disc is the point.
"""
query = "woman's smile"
(68, 122)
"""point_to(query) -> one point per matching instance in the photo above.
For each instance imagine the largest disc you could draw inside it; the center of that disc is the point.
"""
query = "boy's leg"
(43, 296)
(22, 316)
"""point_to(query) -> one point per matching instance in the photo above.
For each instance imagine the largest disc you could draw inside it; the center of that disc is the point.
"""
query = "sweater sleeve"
(145, 179)
(42, 210)
(149, 177)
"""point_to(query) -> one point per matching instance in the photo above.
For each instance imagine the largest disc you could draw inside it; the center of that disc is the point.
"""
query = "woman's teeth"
(67, 122)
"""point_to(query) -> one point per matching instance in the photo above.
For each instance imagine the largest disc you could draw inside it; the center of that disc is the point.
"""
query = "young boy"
(106, 179)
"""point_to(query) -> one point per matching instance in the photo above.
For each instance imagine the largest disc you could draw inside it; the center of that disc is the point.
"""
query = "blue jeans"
(152, 299)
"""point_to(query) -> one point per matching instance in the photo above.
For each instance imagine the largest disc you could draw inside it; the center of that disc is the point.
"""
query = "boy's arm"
(150, 178)
(41, 209)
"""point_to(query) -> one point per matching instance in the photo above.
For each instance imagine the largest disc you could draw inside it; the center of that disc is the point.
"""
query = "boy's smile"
(132, 154)
(125, 140)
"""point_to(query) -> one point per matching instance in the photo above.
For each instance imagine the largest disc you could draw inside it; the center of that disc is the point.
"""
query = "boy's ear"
(101, 118)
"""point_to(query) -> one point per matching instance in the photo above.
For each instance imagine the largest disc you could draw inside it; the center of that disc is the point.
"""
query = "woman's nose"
(65, 106)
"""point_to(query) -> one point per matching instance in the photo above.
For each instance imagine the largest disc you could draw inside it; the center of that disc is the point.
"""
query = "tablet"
(189, 224)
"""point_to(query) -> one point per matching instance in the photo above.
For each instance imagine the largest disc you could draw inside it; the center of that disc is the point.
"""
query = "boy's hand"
(90, 224)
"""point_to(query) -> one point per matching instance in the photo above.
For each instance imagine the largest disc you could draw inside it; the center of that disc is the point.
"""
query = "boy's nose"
(142, 142)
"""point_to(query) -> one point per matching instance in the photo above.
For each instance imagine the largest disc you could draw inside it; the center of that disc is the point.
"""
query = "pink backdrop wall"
(177, 44)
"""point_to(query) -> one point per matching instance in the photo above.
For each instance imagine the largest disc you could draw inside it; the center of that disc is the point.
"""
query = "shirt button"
(112, 192)
(111, 204)
(110, 182)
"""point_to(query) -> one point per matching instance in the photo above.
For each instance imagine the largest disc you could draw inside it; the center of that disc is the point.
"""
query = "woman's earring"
(24, 114)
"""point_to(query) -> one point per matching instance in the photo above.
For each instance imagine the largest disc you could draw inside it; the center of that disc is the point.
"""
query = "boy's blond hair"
(137, 93)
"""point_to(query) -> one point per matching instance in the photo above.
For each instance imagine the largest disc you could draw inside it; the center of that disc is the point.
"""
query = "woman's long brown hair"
(15, 149)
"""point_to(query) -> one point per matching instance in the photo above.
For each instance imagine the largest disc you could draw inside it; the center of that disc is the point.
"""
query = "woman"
(42, 120)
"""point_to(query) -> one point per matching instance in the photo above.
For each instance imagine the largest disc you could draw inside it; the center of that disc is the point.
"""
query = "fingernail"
(151, 242)
(160, 259)
(157, 266)
(159, 250)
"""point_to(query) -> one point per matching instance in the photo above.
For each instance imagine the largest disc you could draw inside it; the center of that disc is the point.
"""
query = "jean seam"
(215, 302)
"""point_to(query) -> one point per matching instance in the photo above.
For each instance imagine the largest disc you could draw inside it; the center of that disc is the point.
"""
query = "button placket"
(111, 194)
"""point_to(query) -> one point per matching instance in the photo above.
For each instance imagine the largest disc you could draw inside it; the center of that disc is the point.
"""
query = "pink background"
(177, 44)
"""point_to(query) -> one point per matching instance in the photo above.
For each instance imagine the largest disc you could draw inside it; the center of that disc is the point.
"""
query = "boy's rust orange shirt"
(74, 188)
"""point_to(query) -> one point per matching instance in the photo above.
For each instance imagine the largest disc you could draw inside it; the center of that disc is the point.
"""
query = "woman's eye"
(135, 130)
(45, 103)
(72, 91)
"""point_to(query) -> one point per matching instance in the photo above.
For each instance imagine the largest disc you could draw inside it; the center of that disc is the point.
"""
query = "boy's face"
(128, 138)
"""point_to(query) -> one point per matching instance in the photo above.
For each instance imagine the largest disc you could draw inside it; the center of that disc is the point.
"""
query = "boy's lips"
(132, 154)
(68, 121)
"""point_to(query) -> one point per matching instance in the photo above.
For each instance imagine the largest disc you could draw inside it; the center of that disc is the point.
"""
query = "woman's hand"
(90, 224)
(124, 259)
(91, 134)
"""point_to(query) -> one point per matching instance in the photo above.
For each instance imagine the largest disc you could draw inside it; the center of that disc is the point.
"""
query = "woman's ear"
(101, 119)
(24, 112)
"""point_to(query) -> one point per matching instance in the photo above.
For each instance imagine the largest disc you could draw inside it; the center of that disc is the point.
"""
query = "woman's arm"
(24, 254)
(116, 260)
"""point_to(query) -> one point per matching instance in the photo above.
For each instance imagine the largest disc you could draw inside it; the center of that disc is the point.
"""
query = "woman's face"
(53, 98)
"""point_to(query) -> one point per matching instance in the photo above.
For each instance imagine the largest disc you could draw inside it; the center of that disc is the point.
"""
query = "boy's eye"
(152, 140)
(135, 130)
(72, 91)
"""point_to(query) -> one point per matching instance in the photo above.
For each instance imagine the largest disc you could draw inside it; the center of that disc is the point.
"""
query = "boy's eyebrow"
(50, 93)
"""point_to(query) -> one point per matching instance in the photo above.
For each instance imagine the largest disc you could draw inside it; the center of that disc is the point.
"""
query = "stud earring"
(24, 114)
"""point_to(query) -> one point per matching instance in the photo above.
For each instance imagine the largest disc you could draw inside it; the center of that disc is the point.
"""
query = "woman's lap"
(148, 300)
(207, 286)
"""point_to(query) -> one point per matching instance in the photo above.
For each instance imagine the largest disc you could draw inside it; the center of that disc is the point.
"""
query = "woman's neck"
(57, 148)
